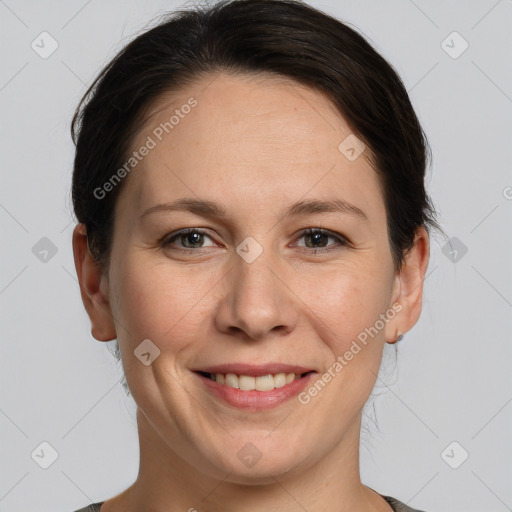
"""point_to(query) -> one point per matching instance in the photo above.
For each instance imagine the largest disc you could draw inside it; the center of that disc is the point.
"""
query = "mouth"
(254, 388)
(243, 382)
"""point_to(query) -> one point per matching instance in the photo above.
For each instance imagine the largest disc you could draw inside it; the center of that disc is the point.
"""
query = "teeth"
(231, 380)
(248, 383)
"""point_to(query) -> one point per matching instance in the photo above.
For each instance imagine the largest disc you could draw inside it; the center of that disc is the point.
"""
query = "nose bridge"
(257, 300)
(254, 274)
(255, 284)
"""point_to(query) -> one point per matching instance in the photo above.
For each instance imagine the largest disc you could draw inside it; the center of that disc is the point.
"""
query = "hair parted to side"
(285, 38)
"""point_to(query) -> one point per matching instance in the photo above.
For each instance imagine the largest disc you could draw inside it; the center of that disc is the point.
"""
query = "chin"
(260, 474)
(249, 466)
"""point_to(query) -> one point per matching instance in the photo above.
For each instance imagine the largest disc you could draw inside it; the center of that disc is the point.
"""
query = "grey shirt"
(396, 505)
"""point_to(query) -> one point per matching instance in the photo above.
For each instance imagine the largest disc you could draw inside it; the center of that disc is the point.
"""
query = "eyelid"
(166, 240)
(342, 240)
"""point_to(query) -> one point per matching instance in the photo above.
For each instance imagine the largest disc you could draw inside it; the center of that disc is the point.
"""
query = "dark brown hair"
(287, 38)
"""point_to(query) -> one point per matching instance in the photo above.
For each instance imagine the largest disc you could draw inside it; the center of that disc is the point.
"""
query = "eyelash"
(342, 241)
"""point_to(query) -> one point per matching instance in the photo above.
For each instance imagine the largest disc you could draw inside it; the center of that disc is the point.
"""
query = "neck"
(170, 483)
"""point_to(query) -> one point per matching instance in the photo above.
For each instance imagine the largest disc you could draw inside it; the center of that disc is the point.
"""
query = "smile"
(249, 382)
(255, 387)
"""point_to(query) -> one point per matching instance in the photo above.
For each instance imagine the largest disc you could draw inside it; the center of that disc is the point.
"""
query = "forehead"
(262, 138)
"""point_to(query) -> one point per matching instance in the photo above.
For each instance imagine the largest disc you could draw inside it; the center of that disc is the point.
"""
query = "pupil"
(188, 237)
(317, 237)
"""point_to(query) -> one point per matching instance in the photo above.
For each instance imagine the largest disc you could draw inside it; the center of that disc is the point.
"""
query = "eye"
(318, 239)
(191, 238)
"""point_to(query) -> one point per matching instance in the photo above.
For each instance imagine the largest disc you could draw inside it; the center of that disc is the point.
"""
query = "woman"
(253, 227)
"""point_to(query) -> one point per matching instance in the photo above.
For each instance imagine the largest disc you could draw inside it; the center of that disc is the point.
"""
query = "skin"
(255, 145)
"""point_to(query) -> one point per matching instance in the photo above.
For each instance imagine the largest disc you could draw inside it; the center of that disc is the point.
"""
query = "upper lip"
(253, 370)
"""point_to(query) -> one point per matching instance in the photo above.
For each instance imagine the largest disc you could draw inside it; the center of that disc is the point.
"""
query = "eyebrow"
(206, 208)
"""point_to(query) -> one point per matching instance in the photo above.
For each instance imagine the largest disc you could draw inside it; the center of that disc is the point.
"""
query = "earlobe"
(93, 287)
(408, 290)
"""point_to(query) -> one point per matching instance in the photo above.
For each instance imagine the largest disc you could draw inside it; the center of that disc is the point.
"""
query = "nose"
(257, 299)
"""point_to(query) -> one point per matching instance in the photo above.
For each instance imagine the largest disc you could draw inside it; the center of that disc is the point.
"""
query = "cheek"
(347, 301)
(352, 301)
(158, 302)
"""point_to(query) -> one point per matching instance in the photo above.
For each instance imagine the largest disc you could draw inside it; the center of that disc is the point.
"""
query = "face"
(281, 282)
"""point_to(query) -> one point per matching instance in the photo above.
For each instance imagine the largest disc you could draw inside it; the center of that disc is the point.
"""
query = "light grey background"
(453, 377)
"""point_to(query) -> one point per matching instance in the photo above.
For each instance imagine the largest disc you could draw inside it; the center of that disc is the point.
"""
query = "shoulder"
(398, 506)
(93, 507)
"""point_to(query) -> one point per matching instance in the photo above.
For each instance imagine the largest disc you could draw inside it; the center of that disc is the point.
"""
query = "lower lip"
(254, 399)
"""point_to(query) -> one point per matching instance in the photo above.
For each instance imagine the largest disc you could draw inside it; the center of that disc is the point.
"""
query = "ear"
(93, 287)
(408, 287)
